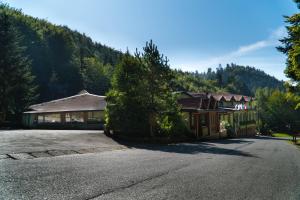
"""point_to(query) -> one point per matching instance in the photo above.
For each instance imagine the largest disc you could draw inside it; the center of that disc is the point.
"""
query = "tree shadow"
(232, 141)
(192, 148)
(271, 138)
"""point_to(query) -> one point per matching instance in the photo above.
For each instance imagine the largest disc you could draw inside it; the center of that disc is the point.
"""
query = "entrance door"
(213, 122)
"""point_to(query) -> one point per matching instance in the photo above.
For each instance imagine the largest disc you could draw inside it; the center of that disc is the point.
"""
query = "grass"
(286, 135)
(297, 143)
(282, 135)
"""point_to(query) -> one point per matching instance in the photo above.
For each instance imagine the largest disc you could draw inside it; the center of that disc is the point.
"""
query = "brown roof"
(190, 103)
(203, 99)
(202, 94)
(83, 101)
(224, 96)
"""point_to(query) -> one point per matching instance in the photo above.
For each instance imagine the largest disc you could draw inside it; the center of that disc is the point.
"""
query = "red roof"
(83, 101)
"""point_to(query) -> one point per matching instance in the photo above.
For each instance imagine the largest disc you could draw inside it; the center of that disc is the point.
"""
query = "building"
(217, 115)
(81, 111)
(208, 115)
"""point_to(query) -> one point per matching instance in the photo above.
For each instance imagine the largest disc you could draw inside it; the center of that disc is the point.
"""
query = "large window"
(95, 117)
(75, 117)
(40, 119)
(49, 118)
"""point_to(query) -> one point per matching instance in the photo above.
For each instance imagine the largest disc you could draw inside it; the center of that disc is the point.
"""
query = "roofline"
(222, 94)
(183, 92)
(77, 95)
(63, 111)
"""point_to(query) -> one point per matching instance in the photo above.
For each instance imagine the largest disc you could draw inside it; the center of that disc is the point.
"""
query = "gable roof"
(83, 101)
(199, 101)
(224, 96)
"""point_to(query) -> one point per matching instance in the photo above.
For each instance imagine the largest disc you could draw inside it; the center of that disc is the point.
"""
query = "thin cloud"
(271, 41)
(250, 48)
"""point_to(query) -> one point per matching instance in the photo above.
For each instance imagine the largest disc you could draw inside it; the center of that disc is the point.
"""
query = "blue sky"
(194, 34)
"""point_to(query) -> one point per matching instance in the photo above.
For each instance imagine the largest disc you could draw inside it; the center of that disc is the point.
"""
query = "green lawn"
(281, 135)
(285, 135)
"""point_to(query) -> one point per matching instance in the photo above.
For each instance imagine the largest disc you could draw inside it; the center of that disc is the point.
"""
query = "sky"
(193, 34)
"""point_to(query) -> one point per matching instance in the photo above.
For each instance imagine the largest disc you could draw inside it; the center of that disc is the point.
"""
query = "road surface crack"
(138, 182)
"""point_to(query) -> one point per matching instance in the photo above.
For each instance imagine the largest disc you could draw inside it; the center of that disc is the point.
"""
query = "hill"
(233, 78)
(65, 61)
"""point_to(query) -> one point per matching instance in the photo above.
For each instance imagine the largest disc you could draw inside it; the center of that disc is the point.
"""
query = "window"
(52, 118)
(40, 119)
(74, 117)
(193, 120)
(95, 116)
(203, 118)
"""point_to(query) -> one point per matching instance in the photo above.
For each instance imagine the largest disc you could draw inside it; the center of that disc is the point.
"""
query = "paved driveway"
(249, 168)
(23, 144)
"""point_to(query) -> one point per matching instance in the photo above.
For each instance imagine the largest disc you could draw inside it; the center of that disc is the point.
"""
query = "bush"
(171, 125)
(229, 128)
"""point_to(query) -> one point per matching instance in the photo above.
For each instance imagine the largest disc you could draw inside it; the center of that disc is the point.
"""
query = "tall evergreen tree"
(159, 77)
(126, 109)
(16, 87)
(291, 47)
(141, 99)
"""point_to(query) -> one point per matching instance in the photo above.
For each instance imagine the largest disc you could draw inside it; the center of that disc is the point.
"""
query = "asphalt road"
(257, 168)
(19, 141)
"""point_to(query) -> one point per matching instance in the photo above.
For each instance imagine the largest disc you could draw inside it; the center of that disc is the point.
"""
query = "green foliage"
(281, 135)
(65, 62)
(276, 110)
(96, 76)
(242, 80)
(141, 101)
(233, 78)
(17, 89)
(140, 87)
(229, 128)
(73, 58)
(186, 81)
(291, 47)
(126, 103)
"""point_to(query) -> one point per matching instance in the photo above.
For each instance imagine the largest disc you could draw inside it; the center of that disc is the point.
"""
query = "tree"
(276, 110)
(141, 99)
(158, 80)
(219, 75)
(95, 78)
(291, 47)
(282, 115)
(126, 110)
(261, 100)
(17, 89)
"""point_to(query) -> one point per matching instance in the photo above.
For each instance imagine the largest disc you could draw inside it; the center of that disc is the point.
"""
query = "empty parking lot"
(27, 144)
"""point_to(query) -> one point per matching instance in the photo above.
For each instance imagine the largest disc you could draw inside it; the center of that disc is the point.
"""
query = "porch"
(205, 124)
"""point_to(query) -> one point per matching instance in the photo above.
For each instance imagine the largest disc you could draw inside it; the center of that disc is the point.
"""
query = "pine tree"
(126, 109)
(16, 88)
(141, 99)
(159, 77)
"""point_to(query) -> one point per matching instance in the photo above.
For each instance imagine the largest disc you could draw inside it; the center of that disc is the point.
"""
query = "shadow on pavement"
(232, 141)
(262, 137)
(193, 148)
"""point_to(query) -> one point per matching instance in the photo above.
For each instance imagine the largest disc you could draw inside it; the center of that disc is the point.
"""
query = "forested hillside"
(65, 61)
